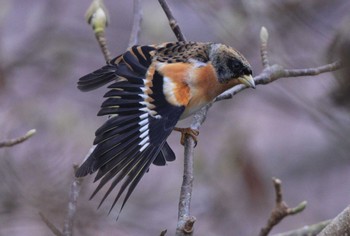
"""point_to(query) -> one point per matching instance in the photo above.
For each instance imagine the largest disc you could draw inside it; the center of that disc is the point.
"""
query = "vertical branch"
(185, 220)
(72, 204)
(136, 26)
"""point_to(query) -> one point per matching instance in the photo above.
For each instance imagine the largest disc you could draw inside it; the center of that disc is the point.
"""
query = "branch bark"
(339, 226)
(307, 230)
(72, 204)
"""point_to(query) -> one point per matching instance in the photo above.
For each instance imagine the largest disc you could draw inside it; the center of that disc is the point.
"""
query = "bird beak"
(247, 80)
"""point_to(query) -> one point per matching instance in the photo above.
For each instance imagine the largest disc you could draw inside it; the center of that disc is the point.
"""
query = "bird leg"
(187, 131)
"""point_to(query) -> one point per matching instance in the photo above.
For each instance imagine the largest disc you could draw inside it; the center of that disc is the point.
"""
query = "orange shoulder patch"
(175, 87)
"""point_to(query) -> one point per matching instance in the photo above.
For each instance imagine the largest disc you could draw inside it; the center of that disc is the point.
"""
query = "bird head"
(230, 65)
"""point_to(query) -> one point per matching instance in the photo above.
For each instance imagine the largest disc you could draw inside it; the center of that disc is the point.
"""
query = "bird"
(151, 88)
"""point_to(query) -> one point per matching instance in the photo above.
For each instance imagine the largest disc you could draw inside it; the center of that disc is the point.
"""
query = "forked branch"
(281, 209)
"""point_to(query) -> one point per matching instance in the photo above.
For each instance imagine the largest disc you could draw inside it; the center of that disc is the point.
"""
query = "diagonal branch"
(307, 230)
(50, 225)
(172, 21)
(339, 226)
(15, 141)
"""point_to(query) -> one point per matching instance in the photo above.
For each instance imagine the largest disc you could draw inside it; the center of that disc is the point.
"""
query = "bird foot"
(187, 132)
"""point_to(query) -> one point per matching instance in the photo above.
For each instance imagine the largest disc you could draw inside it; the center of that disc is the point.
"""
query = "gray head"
(230, 64)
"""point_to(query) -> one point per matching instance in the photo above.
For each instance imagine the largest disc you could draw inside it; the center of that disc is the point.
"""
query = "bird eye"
(234, 64)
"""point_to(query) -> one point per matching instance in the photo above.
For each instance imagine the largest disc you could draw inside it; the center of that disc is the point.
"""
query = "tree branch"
(172, 21)
(268, 75)
(72, 207)
(275, 72)
(185, 220)
(136, 26)
(280, 210)
(15, 141)
(72, 204)
(50, 225)
(308, 230)
(339, 226)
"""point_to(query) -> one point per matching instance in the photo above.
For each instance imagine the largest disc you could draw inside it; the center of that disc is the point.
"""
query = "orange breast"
(191, 86)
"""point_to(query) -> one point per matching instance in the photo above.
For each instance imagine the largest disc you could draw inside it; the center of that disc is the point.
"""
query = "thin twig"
(72, 204)
(339, 226)
(172, 21)
(102, 41)
(275, 72)
(15, 141)
(281, 209)
(50, 225)
(313, 71)
(136, 26)
(307, 230)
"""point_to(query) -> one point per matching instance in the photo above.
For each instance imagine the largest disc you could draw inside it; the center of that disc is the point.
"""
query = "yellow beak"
(247, 80)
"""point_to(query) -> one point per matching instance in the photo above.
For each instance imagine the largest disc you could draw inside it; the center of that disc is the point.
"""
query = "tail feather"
(165, 154)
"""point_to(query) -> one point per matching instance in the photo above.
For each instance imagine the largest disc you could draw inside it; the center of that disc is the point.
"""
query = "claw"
(188, 132)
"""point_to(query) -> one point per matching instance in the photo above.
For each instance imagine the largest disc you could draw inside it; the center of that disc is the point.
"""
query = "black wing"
(141, 120)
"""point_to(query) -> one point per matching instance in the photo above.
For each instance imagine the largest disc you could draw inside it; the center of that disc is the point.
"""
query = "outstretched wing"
(141, 120)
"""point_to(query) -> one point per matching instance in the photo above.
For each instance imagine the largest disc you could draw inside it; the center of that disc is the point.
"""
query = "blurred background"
(296, 129)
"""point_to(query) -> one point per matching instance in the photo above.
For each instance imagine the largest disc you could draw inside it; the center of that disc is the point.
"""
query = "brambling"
(152, 88)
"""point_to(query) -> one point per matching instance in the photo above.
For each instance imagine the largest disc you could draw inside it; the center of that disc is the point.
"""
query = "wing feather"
(135, 137)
